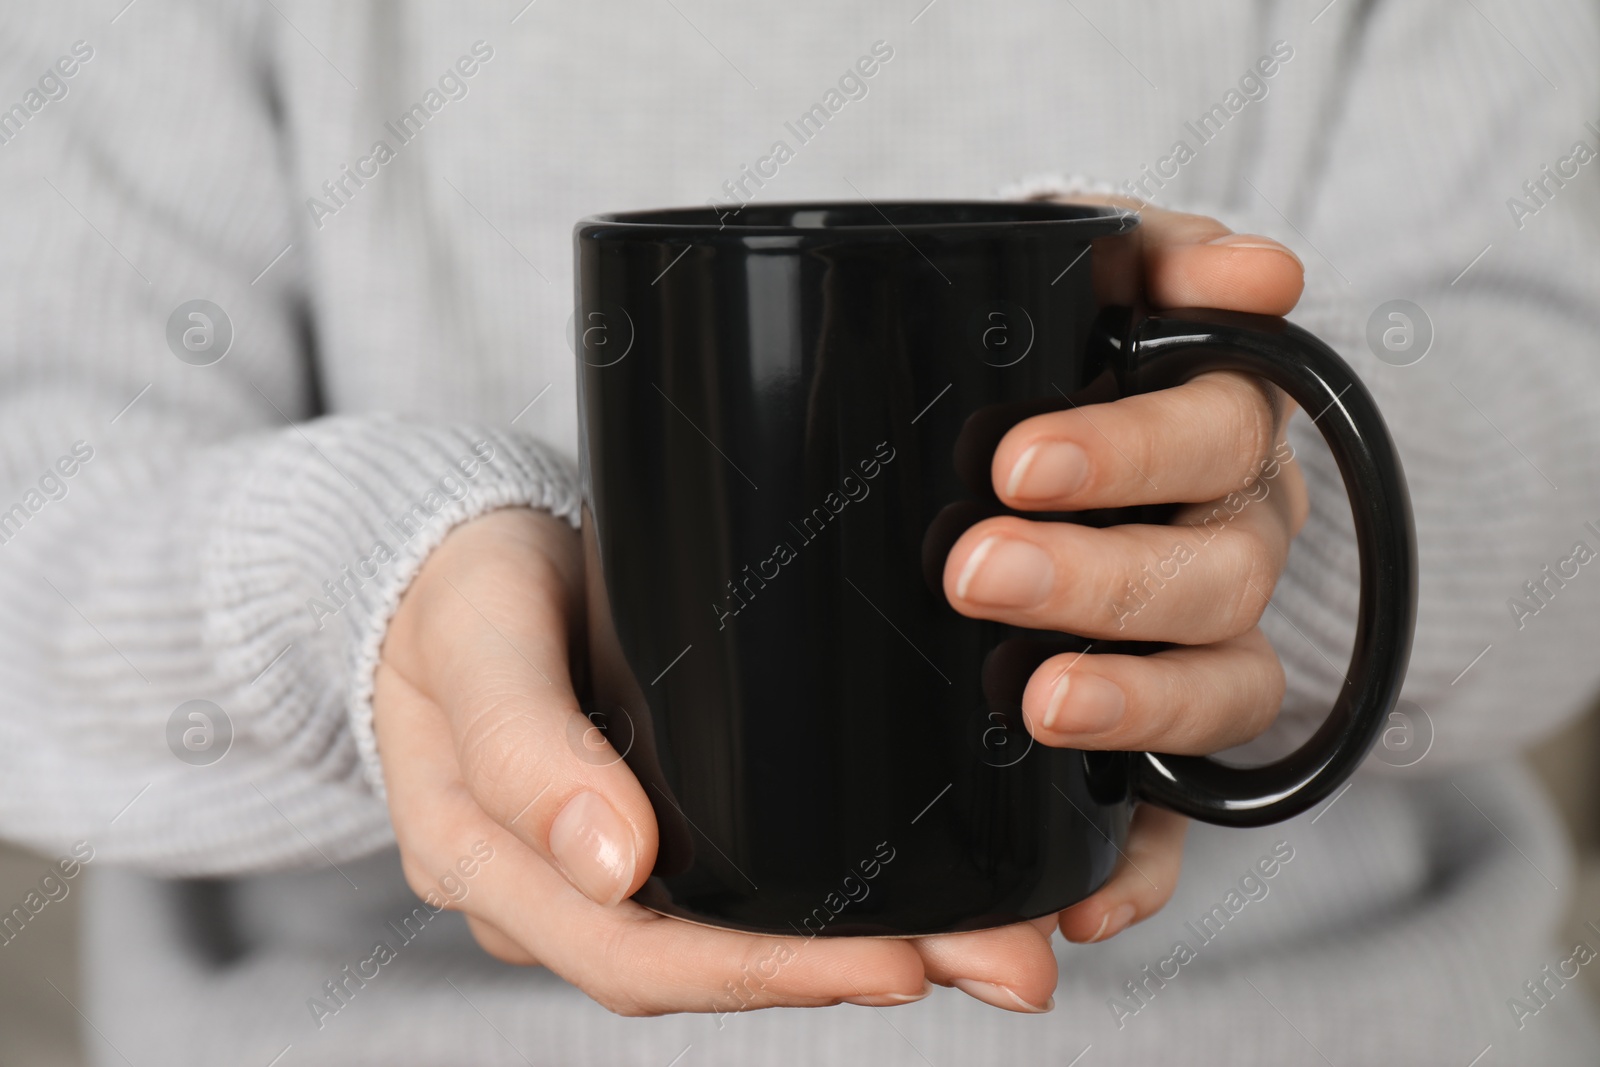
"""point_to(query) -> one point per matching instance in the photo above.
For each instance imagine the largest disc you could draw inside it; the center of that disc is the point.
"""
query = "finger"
(498, 944)
(1185, 701)
(635, 962)
(1190, 584)
(498, 669)
(1196, 261)
(1142, 883)
(1010, 967)
(1197, 441)
(631, 960)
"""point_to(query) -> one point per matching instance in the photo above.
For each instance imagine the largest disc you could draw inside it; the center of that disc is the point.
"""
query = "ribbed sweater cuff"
(322, 540)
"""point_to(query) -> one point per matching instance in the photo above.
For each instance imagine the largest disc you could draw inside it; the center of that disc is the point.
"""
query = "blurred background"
(38, 1028)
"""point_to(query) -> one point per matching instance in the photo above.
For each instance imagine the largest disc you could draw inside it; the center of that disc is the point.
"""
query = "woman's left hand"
(1193, 444)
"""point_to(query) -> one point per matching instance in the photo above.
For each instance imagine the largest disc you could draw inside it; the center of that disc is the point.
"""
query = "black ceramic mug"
(788, 417)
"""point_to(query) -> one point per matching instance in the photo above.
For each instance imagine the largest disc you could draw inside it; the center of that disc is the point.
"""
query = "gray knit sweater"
(378, 198)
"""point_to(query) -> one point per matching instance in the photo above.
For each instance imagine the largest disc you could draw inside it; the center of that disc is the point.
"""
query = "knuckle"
(1154, 705)
(1224, 701)
(617, 988)
(1185, 704)
(1252, 419)
(754, 964)
(497, 763)
(1248, 574)
(749, 986)
(1138, 576)
(1140, 439)
(1174, 710)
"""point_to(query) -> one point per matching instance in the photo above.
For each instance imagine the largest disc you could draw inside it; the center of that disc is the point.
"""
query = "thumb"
(498, 601)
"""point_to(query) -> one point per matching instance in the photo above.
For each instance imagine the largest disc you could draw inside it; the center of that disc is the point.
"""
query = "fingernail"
(1000, 996)
(1007, 573)
(1084, 703)
(1115, 922)
(1048, 470)
(1249, 240)
(889, 1000)
(594, 848)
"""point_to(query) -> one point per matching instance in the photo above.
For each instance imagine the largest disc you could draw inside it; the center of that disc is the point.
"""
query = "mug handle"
(1167, 348)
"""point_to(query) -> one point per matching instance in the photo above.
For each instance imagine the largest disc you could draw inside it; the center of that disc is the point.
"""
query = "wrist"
(477, 563)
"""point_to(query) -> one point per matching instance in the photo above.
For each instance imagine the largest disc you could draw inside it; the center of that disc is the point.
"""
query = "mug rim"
(707, 221)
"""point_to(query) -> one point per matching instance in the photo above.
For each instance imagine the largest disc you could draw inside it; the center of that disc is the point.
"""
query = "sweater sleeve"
(197, 565)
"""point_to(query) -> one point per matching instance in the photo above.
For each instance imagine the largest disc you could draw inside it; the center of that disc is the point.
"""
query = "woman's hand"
(1194, 444)
(501, 811)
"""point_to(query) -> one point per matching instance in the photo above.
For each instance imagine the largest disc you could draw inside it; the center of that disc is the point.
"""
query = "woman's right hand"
(475, 716)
